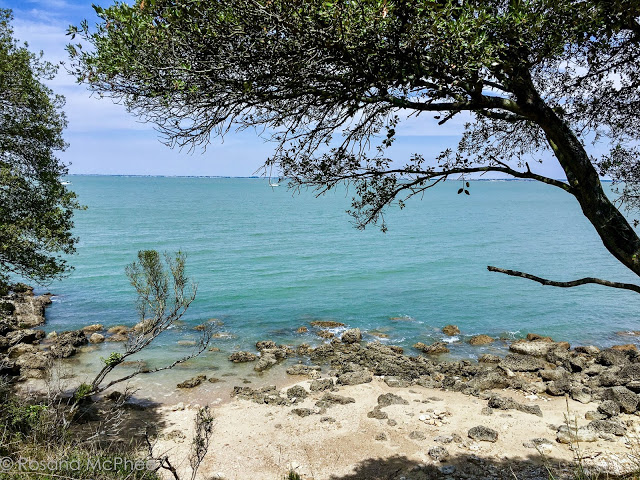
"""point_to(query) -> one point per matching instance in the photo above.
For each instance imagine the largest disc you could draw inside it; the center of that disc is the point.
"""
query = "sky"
(104, 139)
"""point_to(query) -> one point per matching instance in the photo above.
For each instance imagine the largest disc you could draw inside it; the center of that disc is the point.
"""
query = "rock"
(304, 349)
(591, 415)
(571, 435)
(610, 357)
(331, 399)
(607, 426)
(34, 361)
(630, 373)
(502, 403)
(416, 435)
(391, 422)
(302, 330)
(192, 382)
(553, 374)
(325, 334)
(21, 349)
(483, 434)
(378, 414)
(396, 382)
(328, 419)
(387, 399)
(488, 358)
(451, 330)
(537, 348)
(302, 412)
(609, 408)
(581, 394)
(625, 398)
(299, 369)
(522, 363)
(355, 378)
(541, 444)
(486, 411)
(534, 336)
(381, 437)
(352, 336)
(214, 380)
(118, 337)
(242, 357)
(434, 349)
(118, 329)
(326, 324)
(559, 387)
(96, 327)
(448, 469)
(297, 392)
(67, 343)
(438, 453)
(28, 310)
(268, 395)
(480, 340)
(588, 350)
(186, 343)
(213, 349)
(629, 347)
(488, 380)
(266, 361)
(321, 384)
(28, 335)
(96, 338)
(264, 344)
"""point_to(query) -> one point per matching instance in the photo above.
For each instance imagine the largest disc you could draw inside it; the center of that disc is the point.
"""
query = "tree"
(164, 295)
(325, 79)
(35, 207)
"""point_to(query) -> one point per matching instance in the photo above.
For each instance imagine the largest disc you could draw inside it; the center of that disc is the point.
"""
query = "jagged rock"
(537, 337)
(331, 399)
(34, 361)
(553, 374)
(396, 382)
(21, 349)
(28, 310)
(28, 335)
(118, 337)
(380, 437)
(118, 330)
(438, 453)
(502, 403)
(96, 338)
(559, 387)
(242, 357)
(326, 324)
(378, 414)
(580, 394)
(328, 419)
(625, 398)
(488, 358)
(192, 382)
(66, 343)
(268, 395)
(387, 399)
(297, 392)
(610, 357)
(607, 426)
(588, 349)
(321, 384)
(571, 435)
(355, 378)
(629, 347)
(483, 434)
(325, 334)
(630, 373)
(416, 435)
(480, 340)
(486, 411)
(451, 330)
(266, 361)
(434, 349)
(488, 380)
(352, 336)
(299, 369)
(537, 348)
(302, 412)
(522, 363)
(591, 415)
(264, 344)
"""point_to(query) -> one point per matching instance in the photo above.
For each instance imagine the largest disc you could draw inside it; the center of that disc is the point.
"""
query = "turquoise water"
(267, 262)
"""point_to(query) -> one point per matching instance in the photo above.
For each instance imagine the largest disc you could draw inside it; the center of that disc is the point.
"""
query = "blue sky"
(105, 139)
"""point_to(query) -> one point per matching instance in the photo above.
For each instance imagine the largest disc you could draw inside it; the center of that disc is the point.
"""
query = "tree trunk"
(613, 228)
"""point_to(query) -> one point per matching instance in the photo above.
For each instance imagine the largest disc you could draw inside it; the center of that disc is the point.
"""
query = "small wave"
(453, 339)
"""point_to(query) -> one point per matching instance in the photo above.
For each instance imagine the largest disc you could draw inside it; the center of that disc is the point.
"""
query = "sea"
(268, 260)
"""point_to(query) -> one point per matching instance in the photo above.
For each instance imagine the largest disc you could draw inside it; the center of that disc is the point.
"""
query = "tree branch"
(573, 283)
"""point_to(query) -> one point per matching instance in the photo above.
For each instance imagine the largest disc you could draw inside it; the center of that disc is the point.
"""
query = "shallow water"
(268, 262)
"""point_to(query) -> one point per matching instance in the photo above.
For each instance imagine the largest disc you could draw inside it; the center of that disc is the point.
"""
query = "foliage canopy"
(35, 208)
(331, 81)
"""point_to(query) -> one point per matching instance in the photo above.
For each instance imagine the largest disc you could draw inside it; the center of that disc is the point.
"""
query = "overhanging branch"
(573, 283)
